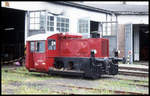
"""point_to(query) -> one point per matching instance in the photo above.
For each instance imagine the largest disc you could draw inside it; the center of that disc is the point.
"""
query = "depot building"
(127, 29)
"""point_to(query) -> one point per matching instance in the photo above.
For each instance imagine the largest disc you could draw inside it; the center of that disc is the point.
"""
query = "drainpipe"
(26, 26)
(106, 24)
(117, 31)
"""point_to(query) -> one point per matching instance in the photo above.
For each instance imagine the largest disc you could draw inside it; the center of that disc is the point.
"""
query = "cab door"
(52, 51)
(39, 56)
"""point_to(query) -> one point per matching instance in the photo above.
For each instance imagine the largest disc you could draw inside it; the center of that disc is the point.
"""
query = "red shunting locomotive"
(69, 54)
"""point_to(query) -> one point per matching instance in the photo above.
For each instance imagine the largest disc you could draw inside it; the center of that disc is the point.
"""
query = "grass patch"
(121, 85)
(21, 75)
(29, 90)
(101, 92)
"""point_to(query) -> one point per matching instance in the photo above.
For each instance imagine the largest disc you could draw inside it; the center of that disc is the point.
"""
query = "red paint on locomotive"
(65, 45)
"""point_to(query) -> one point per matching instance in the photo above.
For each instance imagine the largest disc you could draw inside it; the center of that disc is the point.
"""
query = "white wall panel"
(133, 19)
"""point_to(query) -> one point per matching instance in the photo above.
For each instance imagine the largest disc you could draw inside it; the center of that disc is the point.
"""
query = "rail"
(101, 90)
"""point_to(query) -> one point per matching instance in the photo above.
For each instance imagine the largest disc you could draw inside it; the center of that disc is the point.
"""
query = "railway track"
(140, 85)
(145, 69)
(135, 84)
(133, 73)
(134, 70)
(61, 92)
(134, 80)
(44, 74)
(100, 90)
(123, 72)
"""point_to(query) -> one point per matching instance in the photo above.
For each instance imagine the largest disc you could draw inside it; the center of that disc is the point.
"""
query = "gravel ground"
(53, 84)
(100, 83)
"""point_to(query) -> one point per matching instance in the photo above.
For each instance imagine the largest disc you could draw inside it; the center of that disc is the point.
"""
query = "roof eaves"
(83, 7)
(130, 13)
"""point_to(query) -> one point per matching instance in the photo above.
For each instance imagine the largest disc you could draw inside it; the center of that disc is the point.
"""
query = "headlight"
(43, 63)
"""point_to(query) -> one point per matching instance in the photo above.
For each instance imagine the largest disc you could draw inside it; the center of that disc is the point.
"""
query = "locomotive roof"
(45, 36)
(40, 36)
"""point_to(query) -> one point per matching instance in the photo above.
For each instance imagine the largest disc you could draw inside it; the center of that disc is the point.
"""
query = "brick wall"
(121, 39)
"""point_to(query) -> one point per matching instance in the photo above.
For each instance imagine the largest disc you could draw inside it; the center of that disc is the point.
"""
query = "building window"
(109, 29)
(50, 23)
(42, 20)
(83, 26)
(62, 24)
(37, 20)
(51, 44)
(34, 20)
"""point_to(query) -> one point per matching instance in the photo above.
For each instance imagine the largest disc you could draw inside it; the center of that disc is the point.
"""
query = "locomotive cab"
(40, 52)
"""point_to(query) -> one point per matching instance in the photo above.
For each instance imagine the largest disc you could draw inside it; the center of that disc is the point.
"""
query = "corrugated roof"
(121, 8)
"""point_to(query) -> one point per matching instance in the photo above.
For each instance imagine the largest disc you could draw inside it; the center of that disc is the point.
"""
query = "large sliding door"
(129, 41)
(136, 43)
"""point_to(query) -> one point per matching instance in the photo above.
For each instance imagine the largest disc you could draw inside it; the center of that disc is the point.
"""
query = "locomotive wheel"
(59, 64)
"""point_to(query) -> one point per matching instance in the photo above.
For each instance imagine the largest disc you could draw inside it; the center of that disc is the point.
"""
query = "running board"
(66, 72)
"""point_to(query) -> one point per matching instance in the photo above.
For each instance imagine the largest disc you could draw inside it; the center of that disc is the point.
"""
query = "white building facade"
(45, 17)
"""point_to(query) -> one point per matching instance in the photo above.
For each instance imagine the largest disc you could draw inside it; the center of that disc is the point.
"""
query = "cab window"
(51, 44)
(40, 46)
(31, 46)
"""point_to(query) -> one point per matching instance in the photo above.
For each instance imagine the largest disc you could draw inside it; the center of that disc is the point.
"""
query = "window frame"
(32, 50)
(36, 47)
(83, 27)
(109, 29)
(41, 25)
(34, 19)
(53, 47)
(65, 27)
(47, 26)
